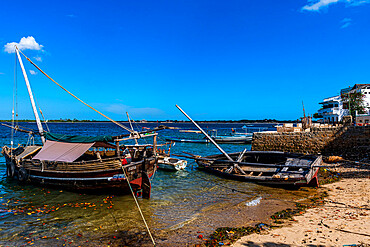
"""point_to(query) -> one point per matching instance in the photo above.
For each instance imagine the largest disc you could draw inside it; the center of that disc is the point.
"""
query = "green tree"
(354, 101)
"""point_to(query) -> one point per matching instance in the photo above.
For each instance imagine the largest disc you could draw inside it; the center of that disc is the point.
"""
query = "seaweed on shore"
(326, 176)
(228, 235)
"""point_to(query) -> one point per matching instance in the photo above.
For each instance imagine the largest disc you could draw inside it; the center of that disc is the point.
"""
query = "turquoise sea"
(41, 216)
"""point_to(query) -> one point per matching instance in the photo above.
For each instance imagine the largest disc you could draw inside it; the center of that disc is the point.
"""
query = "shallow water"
(42, 216)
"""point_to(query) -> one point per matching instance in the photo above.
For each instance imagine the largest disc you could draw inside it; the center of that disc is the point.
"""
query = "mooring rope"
(341, 230)
(356, 162)
(122, 126)
(345, 205)
(138, 206)
(220, 185)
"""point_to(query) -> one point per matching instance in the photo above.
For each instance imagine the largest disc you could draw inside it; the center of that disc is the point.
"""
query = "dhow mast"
(39, 125)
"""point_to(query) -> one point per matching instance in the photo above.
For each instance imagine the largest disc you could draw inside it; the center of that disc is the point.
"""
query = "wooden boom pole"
(204, 133)
(214, 143)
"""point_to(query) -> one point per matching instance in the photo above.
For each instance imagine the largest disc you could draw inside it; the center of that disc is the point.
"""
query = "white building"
(363, 119)
(332, 110)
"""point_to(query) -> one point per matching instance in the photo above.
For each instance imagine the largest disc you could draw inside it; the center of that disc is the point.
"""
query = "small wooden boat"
(265, 167)
(171, 164)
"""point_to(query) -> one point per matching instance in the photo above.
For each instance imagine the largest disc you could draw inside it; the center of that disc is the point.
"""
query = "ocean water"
(40, 216)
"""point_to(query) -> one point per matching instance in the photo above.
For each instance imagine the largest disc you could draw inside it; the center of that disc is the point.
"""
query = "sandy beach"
(342, 221)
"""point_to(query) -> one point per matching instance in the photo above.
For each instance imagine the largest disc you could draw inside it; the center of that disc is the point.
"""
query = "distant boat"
(232, 138)
(190, 131)
(187, 140)
(236, 139)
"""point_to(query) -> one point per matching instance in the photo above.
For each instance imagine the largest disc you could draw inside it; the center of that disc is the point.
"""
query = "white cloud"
(32, 72)
(316, 5)
(28, 43)
(346, 22)
(358, 2)
(38, 58)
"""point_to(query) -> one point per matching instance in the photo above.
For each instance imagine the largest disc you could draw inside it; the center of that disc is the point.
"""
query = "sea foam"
(254, 202)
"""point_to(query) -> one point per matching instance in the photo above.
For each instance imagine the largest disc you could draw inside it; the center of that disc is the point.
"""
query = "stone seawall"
(349, 142)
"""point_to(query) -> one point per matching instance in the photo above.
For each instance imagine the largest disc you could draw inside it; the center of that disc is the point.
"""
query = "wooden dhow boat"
(92, 164)
(79, 163)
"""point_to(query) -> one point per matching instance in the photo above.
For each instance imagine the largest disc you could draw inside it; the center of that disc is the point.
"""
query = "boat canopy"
(77, 139)
(62, 151)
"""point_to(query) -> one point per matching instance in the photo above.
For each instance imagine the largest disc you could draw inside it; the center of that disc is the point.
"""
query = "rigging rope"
(45, 122)
(221, 185)
(138, 206)
(117, 123)
(14, 86)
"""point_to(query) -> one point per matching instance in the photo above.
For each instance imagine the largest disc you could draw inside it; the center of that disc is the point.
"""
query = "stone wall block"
(348, 142)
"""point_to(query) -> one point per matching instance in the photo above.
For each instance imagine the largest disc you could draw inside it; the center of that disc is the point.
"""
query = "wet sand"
(343, 219)
(196, 231)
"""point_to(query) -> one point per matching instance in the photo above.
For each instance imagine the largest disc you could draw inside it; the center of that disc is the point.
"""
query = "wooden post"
(155, 144)
(118, 152)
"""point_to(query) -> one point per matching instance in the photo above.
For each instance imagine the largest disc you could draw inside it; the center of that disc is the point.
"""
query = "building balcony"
(334, 110)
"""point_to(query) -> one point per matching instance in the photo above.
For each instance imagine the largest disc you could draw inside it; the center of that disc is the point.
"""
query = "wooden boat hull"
(282, 175)
(93, 177)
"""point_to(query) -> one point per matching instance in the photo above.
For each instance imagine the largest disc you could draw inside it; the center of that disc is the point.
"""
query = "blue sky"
(216, 59)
